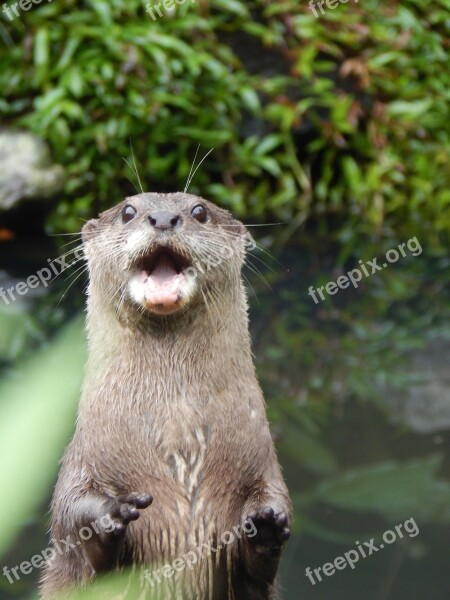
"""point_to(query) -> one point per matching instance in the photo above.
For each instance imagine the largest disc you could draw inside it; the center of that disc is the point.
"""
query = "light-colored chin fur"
(186, 293)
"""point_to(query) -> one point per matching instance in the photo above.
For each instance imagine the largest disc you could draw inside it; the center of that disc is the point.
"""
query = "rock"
(27, 172)
(425, 405)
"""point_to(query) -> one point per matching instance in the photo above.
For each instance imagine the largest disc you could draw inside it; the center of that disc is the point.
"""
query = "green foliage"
(355, 129)
(38, 405)
(17, 328)
(394, 490)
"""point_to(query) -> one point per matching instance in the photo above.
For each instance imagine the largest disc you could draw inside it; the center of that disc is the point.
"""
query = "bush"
(348, 135)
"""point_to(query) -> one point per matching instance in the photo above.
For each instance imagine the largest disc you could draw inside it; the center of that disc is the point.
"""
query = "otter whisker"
(77, 233)
(135, 168)
(205, 300)
(258, 246)
(132, 182)
(257, 272)
(69, 275)
(78, 241)
(248, 284)
(65, 269)
(216, 323)
(263, 262)
(190, 170)
(256, 224)
(196, 169)
(121, 302)
(84, 270)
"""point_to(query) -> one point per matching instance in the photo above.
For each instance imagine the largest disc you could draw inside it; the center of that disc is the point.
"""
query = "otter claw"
(124, 509)
(272, 531)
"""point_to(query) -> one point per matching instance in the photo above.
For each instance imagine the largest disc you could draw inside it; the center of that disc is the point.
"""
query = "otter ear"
(89, 229)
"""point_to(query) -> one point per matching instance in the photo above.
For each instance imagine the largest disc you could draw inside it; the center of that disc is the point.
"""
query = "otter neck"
(204, 350)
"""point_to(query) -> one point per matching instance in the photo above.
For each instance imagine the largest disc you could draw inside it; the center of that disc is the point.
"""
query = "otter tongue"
(164, 271)
(163, 282)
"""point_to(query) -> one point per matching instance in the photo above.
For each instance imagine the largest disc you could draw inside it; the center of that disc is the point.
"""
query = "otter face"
(163, 252)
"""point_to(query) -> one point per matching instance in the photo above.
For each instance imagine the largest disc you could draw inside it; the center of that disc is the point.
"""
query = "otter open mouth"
(163, 279)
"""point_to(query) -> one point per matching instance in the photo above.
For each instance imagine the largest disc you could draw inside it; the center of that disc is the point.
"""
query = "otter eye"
(199, 213)
(128, 213)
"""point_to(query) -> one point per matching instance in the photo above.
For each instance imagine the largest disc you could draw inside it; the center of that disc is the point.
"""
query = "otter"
(172, 442)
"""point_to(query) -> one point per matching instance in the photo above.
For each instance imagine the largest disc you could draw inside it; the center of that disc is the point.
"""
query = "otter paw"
(272, 531)
(124, 509)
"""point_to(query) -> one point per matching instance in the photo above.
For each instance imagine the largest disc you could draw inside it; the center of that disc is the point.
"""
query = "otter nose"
(164, 220)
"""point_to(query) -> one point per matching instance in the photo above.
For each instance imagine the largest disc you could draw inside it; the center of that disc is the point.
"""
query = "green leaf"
(250, 98)
(42, 53)
(410, 110)
(37, 394)
(394, 490)
(232, 6)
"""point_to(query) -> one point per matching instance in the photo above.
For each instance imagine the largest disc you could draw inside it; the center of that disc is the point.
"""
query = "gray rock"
(26, 172)
(425, 404)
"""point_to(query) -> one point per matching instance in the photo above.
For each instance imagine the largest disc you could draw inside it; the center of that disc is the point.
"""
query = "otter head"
(158, 254)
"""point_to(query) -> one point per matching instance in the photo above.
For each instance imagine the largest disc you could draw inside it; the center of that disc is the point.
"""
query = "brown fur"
(170, 406)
